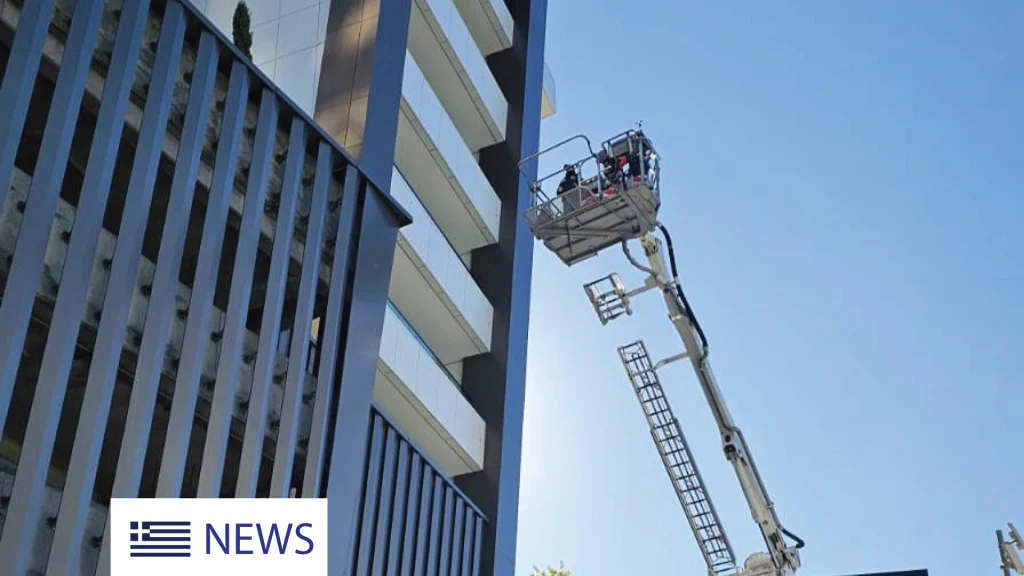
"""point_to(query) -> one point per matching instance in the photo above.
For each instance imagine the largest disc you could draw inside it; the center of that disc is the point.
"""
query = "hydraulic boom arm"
(785, 558)
(620, 203)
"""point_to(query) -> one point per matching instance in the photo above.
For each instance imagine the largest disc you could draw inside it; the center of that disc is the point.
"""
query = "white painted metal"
(786, 558)
(639, 214)
(1009, 558)
(782, 559)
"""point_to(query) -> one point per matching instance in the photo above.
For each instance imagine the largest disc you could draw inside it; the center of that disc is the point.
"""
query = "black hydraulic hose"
(679, 288)
(704, 341)
(799, 542)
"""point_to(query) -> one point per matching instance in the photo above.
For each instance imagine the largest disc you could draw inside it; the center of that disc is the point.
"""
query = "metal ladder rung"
(677, 459)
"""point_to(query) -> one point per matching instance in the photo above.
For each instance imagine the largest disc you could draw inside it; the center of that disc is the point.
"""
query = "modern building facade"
(303, 274)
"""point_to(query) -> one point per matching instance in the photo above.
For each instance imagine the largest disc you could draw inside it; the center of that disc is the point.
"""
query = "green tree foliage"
(549, 571)
(241, 29)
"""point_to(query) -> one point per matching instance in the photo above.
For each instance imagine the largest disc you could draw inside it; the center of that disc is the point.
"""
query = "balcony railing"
(414, 387)
(426, 247)
(445, 173)
(443, 44)
(490, 23)
(426, 348)
(422, 215)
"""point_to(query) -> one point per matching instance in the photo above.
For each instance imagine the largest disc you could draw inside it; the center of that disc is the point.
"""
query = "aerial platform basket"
(585, 215)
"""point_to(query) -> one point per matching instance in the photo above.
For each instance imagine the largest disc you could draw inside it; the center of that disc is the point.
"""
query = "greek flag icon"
(161, 539)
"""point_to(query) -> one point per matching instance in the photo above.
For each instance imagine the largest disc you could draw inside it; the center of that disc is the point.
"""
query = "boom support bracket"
(611, 300)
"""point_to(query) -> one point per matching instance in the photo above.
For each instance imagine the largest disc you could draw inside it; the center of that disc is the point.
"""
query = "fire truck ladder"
(678, 460)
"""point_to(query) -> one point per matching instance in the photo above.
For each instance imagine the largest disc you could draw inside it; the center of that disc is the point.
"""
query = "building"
(165, 332)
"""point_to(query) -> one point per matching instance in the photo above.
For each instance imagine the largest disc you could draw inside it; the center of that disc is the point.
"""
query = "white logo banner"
(214, 537)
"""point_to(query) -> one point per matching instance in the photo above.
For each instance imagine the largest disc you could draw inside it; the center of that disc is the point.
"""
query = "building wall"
(178, 345)
(431, 57)
(471, 90)
(193, 287)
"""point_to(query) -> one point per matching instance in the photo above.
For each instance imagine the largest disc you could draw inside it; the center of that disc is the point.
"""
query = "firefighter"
(612, 171)
(569, 183)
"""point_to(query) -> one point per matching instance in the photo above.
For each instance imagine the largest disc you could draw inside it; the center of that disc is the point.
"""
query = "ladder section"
(678, 460)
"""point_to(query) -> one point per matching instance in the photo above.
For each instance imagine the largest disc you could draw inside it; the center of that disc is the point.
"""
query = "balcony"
(489, 22)
(441, 168)
(493, 28)
(415, 390)
(446, 51)
(433, 288)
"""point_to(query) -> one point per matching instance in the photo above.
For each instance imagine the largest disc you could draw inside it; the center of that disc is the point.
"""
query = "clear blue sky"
(845, 184)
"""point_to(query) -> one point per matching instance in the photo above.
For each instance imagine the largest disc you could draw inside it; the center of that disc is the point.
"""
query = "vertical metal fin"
(315, 455)
(467, 542)
(412, 513)
(478, 545)
(266, 354)
(436, 518)
(200, 308)
(457, 534)
(426, 518)
(85, 453)
(226, 382)
(43, 192)
(165, 285)
(371, 496)
(287, 436)
(386, 500)
(48, 400)
(403, 484)
(446, 536)
(19, 80)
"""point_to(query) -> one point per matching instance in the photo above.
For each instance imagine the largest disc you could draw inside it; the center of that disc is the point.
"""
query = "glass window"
(262, 10)
(296, 75)
(297, 31)
(289, 6)
(264, 42)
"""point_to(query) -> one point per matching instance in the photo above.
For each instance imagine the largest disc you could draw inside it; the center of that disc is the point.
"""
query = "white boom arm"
(785, 558)
(1010, 559)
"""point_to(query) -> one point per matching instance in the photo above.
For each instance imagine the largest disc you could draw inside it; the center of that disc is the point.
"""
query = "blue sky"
(845, 185)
